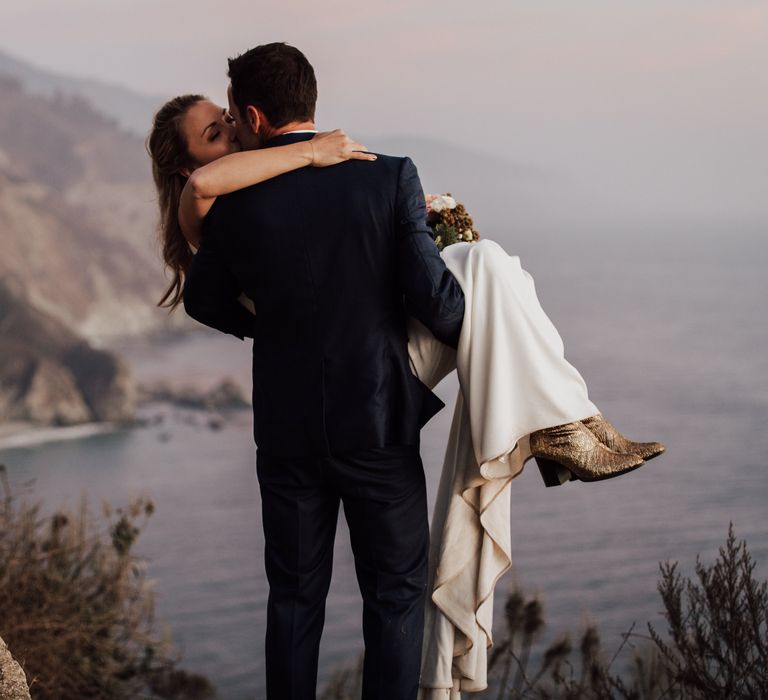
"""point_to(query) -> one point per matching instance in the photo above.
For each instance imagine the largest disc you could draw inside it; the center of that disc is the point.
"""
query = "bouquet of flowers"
(450, 221)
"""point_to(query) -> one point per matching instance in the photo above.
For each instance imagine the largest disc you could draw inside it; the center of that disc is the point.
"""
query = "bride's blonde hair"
(169, 152)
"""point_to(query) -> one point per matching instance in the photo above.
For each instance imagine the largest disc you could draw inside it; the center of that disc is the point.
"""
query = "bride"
(519, 397)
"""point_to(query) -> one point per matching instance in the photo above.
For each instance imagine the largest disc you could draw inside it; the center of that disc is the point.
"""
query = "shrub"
(717, 644)
(77, 610)
(564, 672)
(716, 647)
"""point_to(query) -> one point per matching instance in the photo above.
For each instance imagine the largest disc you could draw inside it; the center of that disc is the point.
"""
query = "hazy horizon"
(631, 109)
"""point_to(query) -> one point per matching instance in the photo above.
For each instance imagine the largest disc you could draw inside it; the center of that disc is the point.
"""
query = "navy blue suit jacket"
(333, 259)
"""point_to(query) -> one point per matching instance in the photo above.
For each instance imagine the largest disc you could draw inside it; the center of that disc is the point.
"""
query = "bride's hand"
(332, 147)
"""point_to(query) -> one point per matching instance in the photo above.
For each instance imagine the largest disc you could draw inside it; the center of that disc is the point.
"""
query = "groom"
(333, 259)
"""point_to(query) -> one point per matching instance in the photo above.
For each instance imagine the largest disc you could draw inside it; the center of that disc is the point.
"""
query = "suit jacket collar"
(284, 139)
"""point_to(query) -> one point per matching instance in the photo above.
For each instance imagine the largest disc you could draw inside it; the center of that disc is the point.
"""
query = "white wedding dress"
(513, 379)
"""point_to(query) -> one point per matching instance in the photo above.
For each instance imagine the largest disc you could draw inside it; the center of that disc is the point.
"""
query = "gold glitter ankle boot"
(571, 452)
(606, 433)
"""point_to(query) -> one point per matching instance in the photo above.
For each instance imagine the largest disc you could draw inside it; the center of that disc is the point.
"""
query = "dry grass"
(77, 608)
(715, 648)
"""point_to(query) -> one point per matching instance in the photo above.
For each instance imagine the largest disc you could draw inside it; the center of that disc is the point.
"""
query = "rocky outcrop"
(104, 380)
(228, 395)
(37, 389)
(49, 375)
(13, 681)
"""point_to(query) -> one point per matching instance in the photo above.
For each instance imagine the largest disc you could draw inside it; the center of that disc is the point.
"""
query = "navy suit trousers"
(384, 495)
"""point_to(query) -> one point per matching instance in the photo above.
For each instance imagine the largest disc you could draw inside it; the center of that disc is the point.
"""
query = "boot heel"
(553, 473)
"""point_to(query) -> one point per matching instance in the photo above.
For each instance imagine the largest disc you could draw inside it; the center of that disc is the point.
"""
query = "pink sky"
(670, 98)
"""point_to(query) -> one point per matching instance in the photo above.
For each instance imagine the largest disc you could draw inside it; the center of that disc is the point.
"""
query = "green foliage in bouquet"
(446, 235)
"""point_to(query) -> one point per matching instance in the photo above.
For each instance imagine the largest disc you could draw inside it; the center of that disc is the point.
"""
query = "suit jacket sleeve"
(431, 292)
(211, 292)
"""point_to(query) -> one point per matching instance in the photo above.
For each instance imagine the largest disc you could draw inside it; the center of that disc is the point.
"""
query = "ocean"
(669, 330)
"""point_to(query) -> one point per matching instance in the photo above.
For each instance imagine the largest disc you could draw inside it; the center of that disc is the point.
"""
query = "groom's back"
(319, 252)
(313, 246)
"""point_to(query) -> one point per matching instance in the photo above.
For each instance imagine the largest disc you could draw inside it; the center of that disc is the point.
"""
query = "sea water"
(670, 334)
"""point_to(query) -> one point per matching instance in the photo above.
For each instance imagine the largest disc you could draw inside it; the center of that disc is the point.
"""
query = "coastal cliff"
(78, 215)
(49, 375)
(80, 263)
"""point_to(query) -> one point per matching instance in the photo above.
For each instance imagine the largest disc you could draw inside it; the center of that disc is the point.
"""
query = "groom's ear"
(254, 119)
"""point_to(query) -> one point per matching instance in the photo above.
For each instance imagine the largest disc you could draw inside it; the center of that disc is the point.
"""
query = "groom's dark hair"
(276, 78)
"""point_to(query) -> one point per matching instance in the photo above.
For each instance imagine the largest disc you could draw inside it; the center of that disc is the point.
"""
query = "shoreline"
(21, 434)
(190, 388)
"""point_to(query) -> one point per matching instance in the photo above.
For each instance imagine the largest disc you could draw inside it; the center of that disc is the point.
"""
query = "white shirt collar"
(300, 131)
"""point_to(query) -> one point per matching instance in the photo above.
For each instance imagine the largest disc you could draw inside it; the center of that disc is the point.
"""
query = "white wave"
(38, 436)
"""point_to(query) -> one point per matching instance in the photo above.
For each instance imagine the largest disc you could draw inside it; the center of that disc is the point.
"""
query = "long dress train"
(513, 379)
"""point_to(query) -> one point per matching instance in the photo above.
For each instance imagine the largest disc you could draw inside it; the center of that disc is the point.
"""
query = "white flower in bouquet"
(443, 201)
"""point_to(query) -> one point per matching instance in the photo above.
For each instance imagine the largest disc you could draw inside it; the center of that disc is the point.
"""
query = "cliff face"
(49, 375)
(78, 215)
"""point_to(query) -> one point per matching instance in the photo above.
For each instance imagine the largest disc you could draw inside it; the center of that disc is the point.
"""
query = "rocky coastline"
(81, 271)
(51, 376)
(55, 384)
(227, 395)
